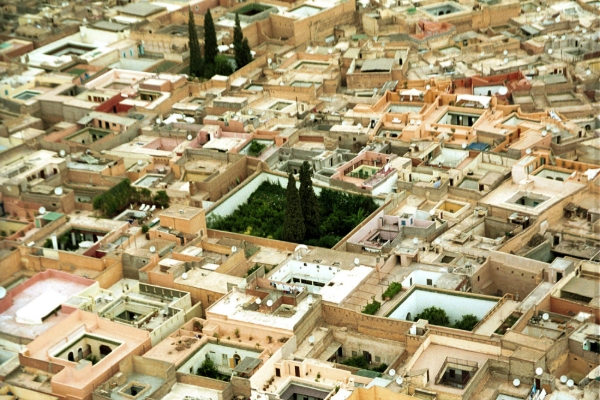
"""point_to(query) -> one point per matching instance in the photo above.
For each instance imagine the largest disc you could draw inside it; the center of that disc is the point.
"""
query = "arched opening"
(80, 354)
(70, 356)
(104, 350)
(236, 359)
(409, 317)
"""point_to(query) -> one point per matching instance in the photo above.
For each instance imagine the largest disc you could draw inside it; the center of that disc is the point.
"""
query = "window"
(131, 52)
(377, 359)
(354, 353)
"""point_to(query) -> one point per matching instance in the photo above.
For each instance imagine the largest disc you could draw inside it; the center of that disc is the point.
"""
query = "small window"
(131, 52)
(377, 359)
(354, 353)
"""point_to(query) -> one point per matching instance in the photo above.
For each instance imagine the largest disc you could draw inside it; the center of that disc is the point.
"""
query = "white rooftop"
(34, 312)
(231, 308)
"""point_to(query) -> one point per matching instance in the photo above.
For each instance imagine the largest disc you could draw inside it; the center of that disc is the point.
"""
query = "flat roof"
(581, 286)
(377, 65)
(181, 211)
(141, 9)
(109, 26)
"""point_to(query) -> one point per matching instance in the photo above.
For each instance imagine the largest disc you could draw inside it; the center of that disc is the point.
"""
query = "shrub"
(467, 323)
(371, 308)
(435, 316)
(145, 228)
(392, 290)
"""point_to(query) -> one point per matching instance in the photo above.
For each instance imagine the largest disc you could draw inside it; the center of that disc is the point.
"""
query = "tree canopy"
(467, 322)
(210, 39)
(293, 223)
(435, 316)
(196, 63)
(241, 47)
(309, 203)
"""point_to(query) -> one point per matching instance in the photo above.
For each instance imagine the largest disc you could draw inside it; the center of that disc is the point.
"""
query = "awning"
(483, 100)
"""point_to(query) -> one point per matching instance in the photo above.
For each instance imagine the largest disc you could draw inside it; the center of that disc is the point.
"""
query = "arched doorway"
(104, 350)
(236, 359)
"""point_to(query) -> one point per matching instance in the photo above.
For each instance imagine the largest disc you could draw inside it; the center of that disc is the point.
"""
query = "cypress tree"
(238, 37)
(293, 223)
(195, 54)
(246, 53)
(210, 39)
(309, 203)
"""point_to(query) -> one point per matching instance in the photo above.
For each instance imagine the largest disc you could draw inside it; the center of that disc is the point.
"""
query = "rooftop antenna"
(42, 210)
(58, 191)
(152, 249)
(392, 372)
(140, 162)
(258, 301)
(62, 153)
(539, 371)
(189, 137)
(233, 249)
(269, 303)
(399, 381)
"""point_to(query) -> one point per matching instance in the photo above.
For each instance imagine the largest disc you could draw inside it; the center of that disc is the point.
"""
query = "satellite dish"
(140, 162)
(2, 292)
(427, 87)
(392, 372)
(549, 51)
(184, 276)
(563, 379)
(311, 339)
(310, 299)
(269, 303)
(539, 371)
(258, 301)
(416, 240)
(152, 249)
(399, 381)
(464, 146)
(233, 249)
(269, 61)
(544, 133)
(528, 151)
(570, 383)
(503, 91)
(189, 137)
(505, 52)
(58, 191)
(516, 383)
(356, 261)
(62, 153)
(545, 317)
(42, 210)
(437, 241)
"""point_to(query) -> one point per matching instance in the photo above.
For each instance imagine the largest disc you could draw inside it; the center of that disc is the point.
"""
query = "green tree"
(309, 203)
(210, 39)
(145, 194)
(467, 323)
(293, 223)
(246, 53)
(435, 316)
(241, 47)
(196, 69)
(161, 198)
(222, 66)
(208, 369)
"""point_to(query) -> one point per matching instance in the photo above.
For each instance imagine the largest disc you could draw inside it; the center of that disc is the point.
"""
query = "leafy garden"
(361, 362)
(307, 218)
(437, 316)
(120, 196)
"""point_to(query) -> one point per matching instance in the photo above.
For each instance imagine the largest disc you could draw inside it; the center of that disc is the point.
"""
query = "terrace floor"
(497, 318)
(435, 356)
